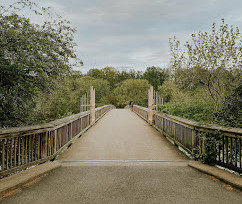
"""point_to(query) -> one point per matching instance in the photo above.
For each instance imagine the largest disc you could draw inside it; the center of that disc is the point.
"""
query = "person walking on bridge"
(131, 104)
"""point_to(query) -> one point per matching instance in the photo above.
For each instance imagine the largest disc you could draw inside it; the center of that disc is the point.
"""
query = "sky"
(135, 33)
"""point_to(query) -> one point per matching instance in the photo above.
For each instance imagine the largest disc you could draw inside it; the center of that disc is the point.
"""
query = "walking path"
(122, 135)
(121, 159)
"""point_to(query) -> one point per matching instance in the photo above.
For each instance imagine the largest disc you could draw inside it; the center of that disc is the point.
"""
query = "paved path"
(122, 135)
(121, 140)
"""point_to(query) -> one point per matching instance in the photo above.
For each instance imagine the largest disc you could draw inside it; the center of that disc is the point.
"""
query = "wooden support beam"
(151, 105)
(92, 106)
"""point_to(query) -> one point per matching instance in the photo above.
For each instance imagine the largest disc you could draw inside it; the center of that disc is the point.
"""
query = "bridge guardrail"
(141, 111)
(28, 146)
(221, 144)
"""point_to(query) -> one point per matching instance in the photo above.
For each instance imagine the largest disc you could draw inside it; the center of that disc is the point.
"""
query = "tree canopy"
(31, 57)
(210, 60)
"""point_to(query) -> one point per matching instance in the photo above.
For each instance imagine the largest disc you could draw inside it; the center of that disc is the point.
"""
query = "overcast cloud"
(135, 33)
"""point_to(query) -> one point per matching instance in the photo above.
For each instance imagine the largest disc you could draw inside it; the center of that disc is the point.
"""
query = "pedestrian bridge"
(121, 158)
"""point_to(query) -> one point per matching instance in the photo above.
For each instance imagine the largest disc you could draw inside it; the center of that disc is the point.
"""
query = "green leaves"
(211, 61)
(132, 89)
(31, 58)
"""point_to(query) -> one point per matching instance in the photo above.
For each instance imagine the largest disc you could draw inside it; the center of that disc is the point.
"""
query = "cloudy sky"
(135, 33)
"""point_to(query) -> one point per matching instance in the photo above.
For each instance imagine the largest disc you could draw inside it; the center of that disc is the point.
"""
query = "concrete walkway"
(122, 135)
(121, 159)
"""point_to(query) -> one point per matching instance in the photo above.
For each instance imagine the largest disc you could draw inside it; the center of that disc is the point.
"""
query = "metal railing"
(200, 140)
(28, 146)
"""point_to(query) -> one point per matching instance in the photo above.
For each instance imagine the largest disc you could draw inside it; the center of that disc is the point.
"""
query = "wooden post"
(204, 141)
(92, 105)
(151, 106)
(193, 141)
(55, 141)
(43, 145)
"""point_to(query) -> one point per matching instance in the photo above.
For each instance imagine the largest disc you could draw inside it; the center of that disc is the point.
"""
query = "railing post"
(92, 105)
(151, 105)
(193, 142)
(44, 145)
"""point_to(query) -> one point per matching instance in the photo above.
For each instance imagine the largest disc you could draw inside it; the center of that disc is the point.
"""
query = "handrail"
(198, 138)
(31, 145)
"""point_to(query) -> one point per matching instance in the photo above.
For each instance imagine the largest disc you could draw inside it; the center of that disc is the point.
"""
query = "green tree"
(31, 57)
(132, 89)
(95, 73)
(111, 75)
(170, 92)
(230, 113)
(65, 99)
(156, 76)
(212, 61)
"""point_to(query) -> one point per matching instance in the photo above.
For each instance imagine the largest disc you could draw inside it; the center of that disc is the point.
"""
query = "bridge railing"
(28, 146)
(222, 145)
(141, 111)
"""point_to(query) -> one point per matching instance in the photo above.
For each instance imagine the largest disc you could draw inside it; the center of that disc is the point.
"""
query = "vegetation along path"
(121, 159)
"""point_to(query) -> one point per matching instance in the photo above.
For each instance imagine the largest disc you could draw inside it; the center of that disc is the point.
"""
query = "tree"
(65, 99)
(212, 61)
(132, 89)
(111, 75)
(170, 92)
(156, 76)
(230, 113)
(31, 57)
(95, 73)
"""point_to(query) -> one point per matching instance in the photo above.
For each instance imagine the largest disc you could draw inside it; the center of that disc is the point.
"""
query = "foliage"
(114, 76)
(171, 92)
(65, 99)
(192, 110)
(132, 89)
(210, 142)
(230, 113)
(156, 76)
(211, 61)
(31, 57)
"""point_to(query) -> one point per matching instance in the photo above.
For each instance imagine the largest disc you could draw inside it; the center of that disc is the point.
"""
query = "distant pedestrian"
(131, 105)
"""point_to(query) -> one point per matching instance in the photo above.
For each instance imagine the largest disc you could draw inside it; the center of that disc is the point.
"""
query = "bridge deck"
(122, 135)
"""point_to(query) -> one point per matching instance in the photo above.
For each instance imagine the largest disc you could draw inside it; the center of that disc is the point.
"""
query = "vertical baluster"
(3, 154)
(174, 131)
(227, 149)
(223, 148)
(32, 147)
(29, 147)
(11, 154)
(22, 150)
(7, 154)
(235, 151)
(240, 164)
(15, 152)
(19, 150)
(215, 147)
(26, 149)
(44, 145)
(219, 152)
(51, 143)
(38, 147)
(200, 145)
(231, 150)
(55, 140)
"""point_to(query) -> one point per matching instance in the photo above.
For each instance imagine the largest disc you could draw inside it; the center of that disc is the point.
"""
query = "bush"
(192, 110)
(230, 113)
